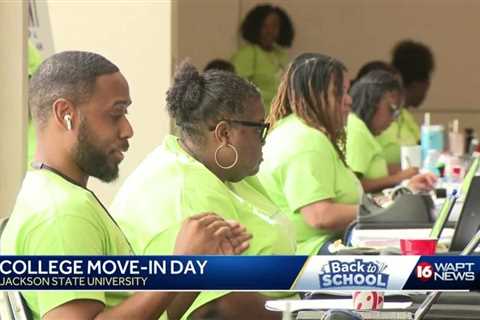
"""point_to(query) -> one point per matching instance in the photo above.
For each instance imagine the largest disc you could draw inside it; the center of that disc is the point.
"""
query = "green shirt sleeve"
(244, 62)
(359, 154)
(411, 126)
(364, 153)
(390, 142)
(65, 235)
(308, 178)
(402, 131)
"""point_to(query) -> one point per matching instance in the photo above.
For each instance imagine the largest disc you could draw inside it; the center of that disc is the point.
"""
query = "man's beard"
(91, 159)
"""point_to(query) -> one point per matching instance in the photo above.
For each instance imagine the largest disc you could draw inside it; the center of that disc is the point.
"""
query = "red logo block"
(424, 271)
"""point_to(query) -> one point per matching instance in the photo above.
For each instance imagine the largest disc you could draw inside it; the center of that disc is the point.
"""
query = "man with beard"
(79, 102)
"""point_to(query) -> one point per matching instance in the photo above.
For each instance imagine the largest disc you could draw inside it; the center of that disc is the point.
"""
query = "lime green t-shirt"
(300, 167)
(263, 68)
(170, 185)
(53, 216)
(404, 131)
(364, 153)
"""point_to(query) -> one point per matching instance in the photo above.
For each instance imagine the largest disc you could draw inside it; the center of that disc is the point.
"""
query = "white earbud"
(68, 121)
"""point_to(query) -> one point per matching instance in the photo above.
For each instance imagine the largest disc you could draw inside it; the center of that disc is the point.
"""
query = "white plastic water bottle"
(430, 163)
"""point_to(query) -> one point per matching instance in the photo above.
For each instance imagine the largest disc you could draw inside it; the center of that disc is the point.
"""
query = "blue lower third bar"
(149, 272)
(251, 273)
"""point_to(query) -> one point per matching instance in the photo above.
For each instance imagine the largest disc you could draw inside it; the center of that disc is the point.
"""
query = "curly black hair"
(219, 64)
(375, 65)
(254, 20)
(196, 101)
(413, 60)
(372, 66)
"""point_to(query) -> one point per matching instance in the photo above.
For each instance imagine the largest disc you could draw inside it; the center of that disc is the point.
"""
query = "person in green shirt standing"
(376, 97)
(268, 30)
(304, 169)
(79, 103)
(208, 168)
(415, 63)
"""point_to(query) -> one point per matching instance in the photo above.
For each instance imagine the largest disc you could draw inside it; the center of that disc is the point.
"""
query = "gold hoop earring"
(234, 162)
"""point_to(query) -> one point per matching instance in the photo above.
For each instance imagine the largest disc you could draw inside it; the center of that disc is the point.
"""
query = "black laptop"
(469, 220)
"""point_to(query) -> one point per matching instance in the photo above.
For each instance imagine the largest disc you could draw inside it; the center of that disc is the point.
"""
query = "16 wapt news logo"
(445, 271)
(357, 273)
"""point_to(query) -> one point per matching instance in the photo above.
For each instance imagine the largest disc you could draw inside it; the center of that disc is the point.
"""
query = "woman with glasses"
(208, 168)
(389, 138)
(304, 169)
(376, 99)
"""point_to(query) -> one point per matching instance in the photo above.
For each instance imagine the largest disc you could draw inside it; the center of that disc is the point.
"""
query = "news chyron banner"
(262, 273)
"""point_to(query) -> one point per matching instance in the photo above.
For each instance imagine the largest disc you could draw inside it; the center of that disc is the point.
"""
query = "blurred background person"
(375, 65)
(267, 30)
(415, 63)
(375, 104)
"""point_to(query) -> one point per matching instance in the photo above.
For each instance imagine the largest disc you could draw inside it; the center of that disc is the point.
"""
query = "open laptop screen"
(443, 215)
(469, 221)
(469, 176)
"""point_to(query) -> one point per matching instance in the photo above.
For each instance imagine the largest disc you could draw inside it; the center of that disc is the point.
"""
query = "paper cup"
(367, 300)
(410, 156)
(418, 247)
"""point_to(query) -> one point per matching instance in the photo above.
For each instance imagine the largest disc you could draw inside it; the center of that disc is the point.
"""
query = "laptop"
(469, 220)
(472, 171)
(469, 248)
(443, 216)
(450, 201)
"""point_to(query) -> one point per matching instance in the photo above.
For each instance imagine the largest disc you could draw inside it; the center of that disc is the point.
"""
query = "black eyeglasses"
(262, 127)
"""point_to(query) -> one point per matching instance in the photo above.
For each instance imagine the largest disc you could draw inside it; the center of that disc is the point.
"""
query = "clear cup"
(410, 156)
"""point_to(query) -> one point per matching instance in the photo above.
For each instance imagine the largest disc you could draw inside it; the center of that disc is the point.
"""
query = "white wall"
(207, 30)
(357, 31)
(135, 35)
(13, 110)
